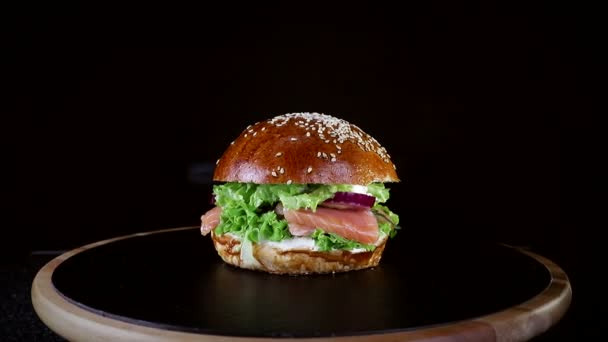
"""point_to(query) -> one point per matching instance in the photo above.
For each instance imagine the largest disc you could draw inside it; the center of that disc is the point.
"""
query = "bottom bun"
(268, 257)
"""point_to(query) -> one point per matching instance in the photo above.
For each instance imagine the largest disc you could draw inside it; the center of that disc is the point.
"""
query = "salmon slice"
(210, 220)
(357, 225)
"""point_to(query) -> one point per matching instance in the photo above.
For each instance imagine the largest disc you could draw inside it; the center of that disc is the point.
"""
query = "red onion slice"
(350, 200)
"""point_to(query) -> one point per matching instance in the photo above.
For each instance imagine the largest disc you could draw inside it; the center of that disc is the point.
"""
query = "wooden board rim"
(518, 323)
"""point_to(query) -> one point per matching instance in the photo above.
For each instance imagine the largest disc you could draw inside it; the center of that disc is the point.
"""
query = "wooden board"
(171, 285)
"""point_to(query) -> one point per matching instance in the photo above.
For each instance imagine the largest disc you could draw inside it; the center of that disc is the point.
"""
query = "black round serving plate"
(175, 280)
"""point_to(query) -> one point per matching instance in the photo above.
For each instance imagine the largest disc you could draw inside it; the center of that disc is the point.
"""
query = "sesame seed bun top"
(305, 148)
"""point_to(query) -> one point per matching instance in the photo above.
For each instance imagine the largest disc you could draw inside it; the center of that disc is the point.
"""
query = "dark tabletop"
(20, 323)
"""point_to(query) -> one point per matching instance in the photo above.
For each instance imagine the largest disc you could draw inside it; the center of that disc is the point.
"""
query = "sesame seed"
(309, 169)
(333, 159)
(289, 181)
(338, 147)
(307, 134)
(319, 154)
(282, 171)
(254, 133)
(232, 143)
(332, 155)
(217, 162)
(263, 129)
(278, 154)
(293, 139)
(324, 155)
(245, 135)
(274, 174)
(339, 131)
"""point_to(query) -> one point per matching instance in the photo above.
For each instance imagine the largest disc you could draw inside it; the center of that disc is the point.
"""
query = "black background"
(115, 129)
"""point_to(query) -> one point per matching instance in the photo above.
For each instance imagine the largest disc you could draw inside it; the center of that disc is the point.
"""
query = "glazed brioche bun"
(301, 148)
(305, 148)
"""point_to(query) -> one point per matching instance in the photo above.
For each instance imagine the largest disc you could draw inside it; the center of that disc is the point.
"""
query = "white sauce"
(309, 244)
(247, 259)
(294, 243)
(361, 189)
(357, 250)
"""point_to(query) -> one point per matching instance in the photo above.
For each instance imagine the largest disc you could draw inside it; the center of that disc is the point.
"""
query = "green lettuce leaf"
(394, 217)
(316, 194)
(256, 227)
(386, 227)
(329, 241)
(247, 209)
(379, 191)
(242, 213)
(272, 193)
(293, 196)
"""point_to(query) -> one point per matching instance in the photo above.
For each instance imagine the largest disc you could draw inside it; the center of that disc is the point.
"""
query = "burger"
(302, 193)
